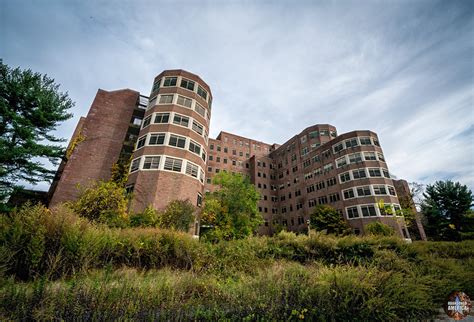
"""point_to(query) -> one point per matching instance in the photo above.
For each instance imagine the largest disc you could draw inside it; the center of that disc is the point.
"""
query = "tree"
(31, 107)
(178, 214)
(326, 218)
(379, 229)
(104, 202)
(232, 210)
(445, 207)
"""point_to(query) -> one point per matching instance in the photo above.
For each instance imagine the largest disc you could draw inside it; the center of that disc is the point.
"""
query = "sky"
(403, 69)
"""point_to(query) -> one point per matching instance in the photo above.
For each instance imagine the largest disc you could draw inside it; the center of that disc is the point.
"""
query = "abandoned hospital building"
(166, 137)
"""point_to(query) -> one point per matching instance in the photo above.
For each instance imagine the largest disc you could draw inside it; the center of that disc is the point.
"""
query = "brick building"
(172, 157)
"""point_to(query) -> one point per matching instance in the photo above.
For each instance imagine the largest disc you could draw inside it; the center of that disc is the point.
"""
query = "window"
(391, 191)
(173, 164)
(324, 132)
(359, 174)
(351, 143)
(184, 101)
(137, 121)
(374, 172)
(348, 194)
(151, 162)
(306, 163)
(312, 203)
(331, 182)
(135, 165)
(166, 99)
(198, 128)
(343, 177)
(181, 120)
(355, 158)
(310, 188)
(333, 133)
(386, 174)
(328, 167)
(322, 200)
(187, 84)
(316, 158)
(146, 121)
(199, 200)
(341, 162)
(338, 148)
(381, 157)
(141, 142)
(365, 141)
(304, 151)
(191, 169)
(334, 197)
(178, 141)
(218, 159)
(313, 134)
(201, 111)
(157, 139)
(152, 101)
(352, 213)
(303, 139)
(156, 85)
(226, 150)
(202, 92)
(363, 191)
(380, 190)
(162, 118)
(170, 81)
(194, 147)
(368, 156)
(376, 142)
(368, 211)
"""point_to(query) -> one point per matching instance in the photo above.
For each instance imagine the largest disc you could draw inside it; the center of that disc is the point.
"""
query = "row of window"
(373, 210)
(166, 99)
(369, 190)
(363, 173)
(356, 141)
(176, 119)
(171, 139)
(190, 85)
(167, 163)
(358, 157)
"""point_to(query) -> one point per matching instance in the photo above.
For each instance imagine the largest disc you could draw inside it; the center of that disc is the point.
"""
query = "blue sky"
(403, 69)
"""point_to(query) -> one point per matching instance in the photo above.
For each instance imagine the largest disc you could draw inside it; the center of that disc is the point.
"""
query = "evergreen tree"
(445, 208)
(31, 107)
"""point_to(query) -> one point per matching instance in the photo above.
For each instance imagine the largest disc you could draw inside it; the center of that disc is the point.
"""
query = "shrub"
(379, 229)
(103, 202)
(147, 218)
(178, 214)
(326, 218)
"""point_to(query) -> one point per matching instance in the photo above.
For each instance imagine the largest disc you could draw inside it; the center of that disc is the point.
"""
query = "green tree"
(178, 214)
(326, 218)
(232, 209)
(104, 202)
(379, 229)
(31, 107)
(445, 207)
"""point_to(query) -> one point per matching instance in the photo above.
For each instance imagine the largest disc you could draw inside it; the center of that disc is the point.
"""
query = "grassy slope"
(56, 265)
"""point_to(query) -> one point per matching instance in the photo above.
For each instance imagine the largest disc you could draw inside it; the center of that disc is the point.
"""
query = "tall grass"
(71, 267)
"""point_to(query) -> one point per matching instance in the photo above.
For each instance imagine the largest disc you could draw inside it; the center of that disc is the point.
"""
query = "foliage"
(232, 210)
(120, 172)
(147, 218)
(379, 229)
(75, 269)
(74, 143)
(178, 214)
(326, 218)
(31, 107)
(104, 201)
(445, 207)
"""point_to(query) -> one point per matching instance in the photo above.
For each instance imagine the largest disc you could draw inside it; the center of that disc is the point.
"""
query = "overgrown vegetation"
(326, 218)
(72, 268)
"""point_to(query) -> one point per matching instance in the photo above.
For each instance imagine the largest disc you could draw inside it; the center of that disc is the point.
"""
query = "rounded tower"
(169, 160)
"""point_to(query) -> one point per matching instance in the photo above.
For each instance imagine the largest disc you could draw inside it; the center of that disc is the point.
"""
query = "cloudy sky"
(404, 69)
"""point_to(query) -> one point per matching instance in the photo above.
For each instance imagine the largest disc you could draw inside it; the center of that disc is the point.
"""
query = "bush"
(376, 228)
(326, 218)
(147, 218)
(103, 202)
(178, 214)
